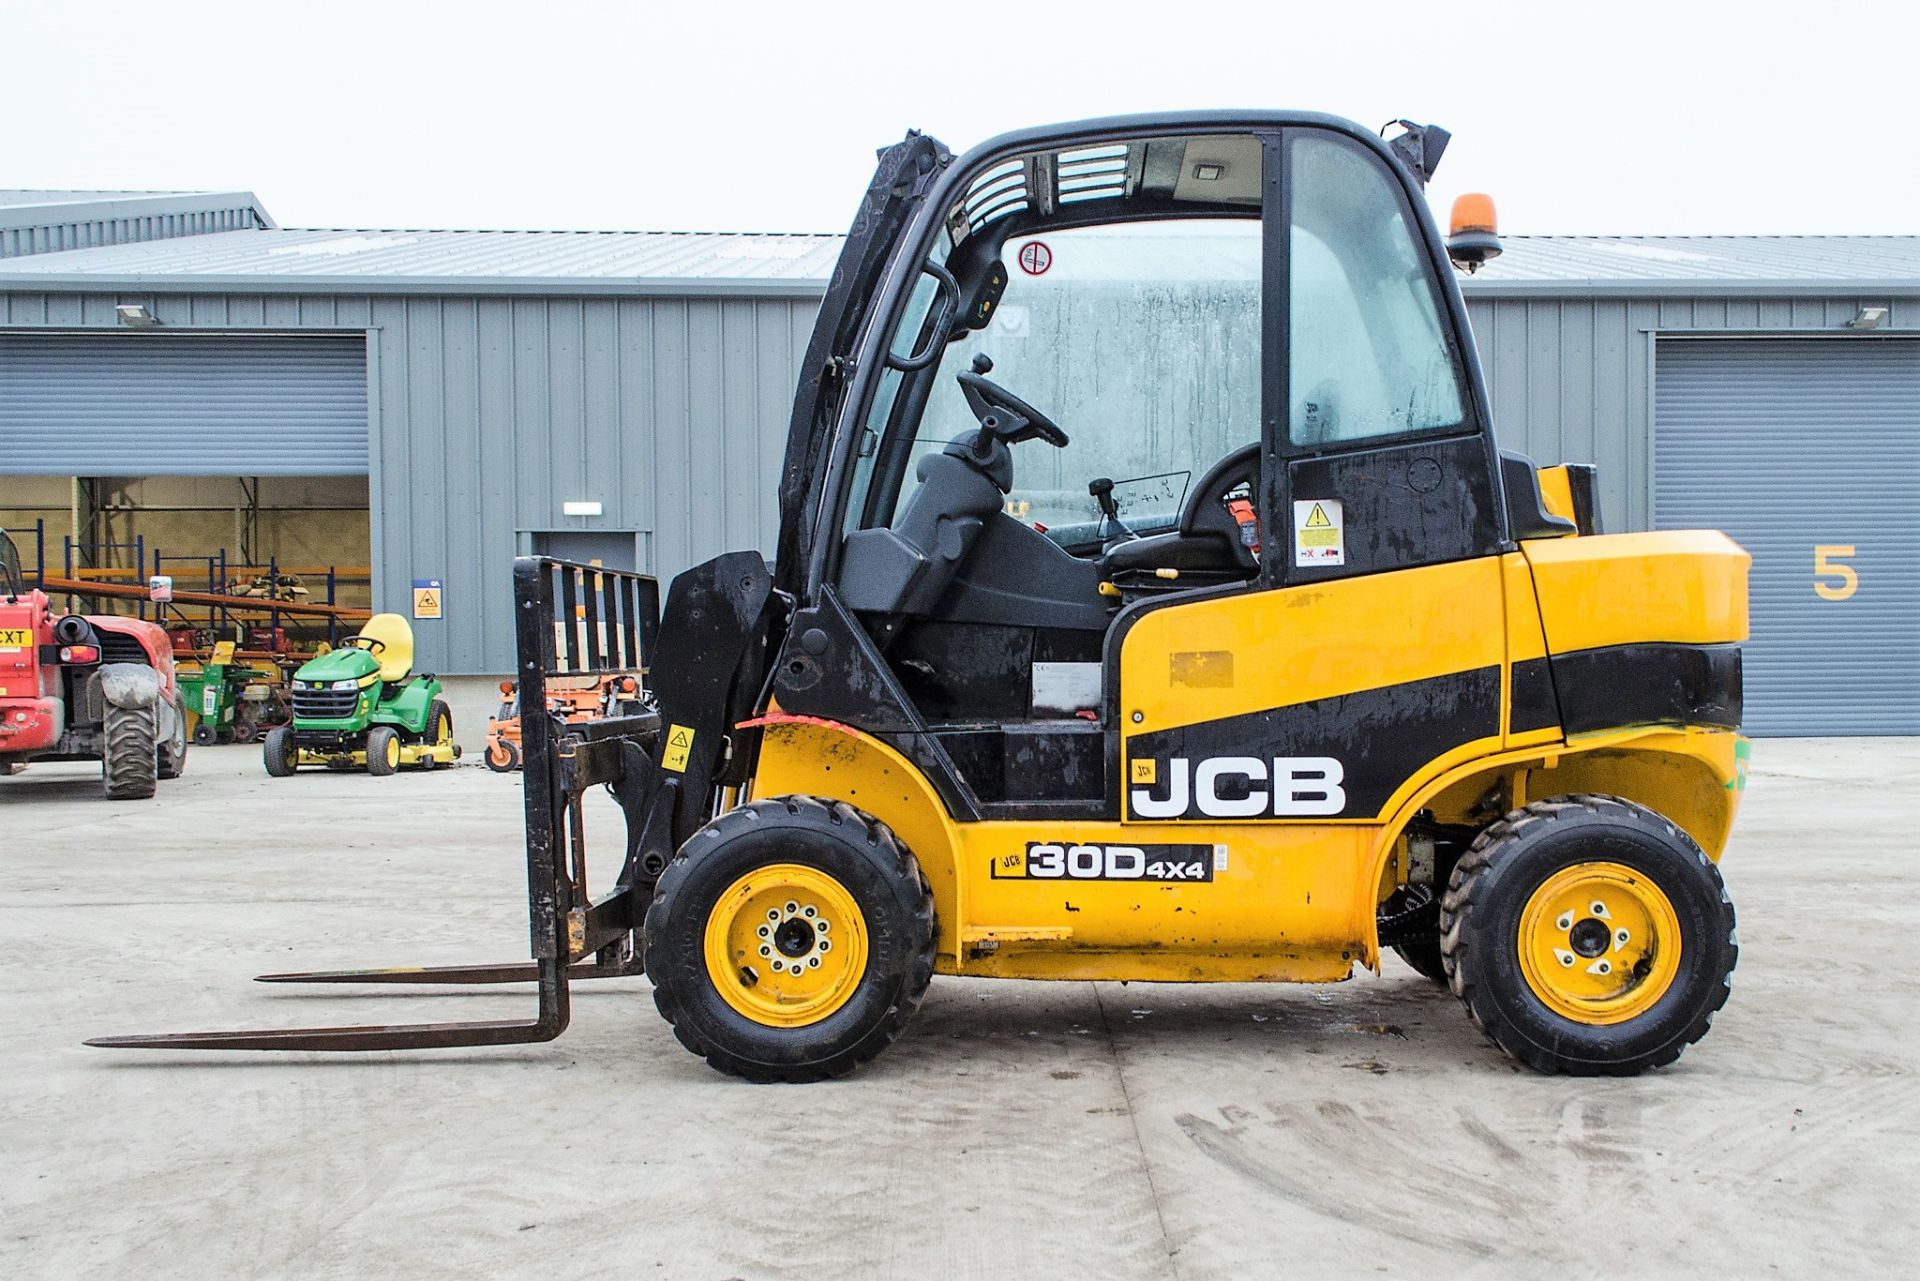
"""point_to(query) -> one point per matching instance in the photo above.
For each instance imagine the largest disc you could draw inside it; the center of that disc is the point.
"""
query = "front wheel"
(1589, 935)
(205, 735)
(383, 750)
(503, 756)
(790, 940)
(282, 757)
(130, 761)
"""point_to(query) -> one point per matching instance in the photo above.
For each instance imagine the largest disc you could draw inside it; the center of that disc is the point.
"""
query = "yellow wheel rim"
(786, 945)
(393, 752)
(444, 732)
(1599, 943)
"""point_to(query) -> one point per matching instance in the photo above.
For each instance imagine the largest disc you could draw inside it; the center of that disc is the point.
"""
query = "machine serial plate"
(1044, 861)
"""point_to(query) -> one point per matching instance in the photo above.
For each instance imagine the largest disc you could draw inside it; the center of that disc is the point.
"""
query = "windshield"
(12, 580)
(1142, 340)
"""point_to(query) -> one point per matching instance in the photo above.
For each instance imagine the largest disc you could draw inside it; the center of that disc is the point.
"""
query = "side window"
(1370, 357)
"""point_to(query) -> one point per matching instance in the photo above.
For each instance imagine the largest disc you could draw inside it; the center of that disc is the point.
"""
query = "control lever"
(1114, 530)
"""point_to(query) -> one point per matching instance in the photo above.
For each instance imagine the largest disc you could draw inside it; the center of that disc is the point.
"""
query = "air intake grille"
(325, 704)
(118, 647)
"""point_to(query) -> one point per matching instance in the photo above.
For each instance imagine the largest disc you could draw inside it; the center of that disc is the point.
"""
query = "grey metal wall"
(87, 233)
(488, 413)
(1572, 378)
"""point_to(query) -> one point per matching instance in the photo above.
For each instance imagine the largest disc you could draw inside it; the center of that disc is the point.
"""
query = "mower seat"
(395, 654)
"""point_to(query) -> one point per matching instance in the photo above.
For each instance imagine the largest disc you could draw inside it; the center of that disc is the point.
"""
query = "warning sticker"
(679, 743)
(1035, 257)
(427, 598)
(1318, 534)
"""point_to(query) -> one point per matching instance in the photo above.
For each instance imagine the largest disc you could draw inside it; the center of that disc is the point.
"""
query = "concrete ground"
(1058, 1130)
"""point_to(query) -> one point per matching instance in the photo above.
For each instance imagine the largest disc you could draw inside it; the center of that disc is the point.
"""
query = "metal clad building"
(1765, 385)
(509, 373)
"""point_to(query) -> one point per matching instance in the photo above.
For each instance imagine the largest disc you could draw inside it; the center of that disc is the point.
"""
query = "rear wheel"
(790, 940)
(204, 735)
(383, 750)
(1589, 935)
(439, 731)
(280, 753)
(130, 762)
(503, 756)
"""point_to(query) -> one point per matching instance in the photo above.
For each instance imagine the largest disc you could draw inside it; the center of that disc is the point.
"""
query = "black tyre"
(742, 932)
(279, 752)
(130, 762)
(439, 731)
(1588, 935)
(1423, 957)
(1410, 922)
(503, 756)
(205, 735)
(383, 750)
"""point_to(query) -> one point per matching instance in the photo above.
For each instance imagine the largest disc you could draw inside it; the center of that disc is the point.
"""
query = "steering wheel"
(1206, 510)
(1005, 414)
(367, 643)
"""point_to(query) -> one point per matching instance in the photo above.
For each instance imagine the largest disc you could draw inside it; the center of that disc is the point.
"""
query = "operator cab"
(12, 580)
(1097, 387)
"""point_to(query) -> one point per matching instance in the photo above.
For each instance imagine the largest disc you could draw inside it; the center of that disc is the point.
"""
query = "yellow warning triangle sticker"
(680, 739)
(1318, 520)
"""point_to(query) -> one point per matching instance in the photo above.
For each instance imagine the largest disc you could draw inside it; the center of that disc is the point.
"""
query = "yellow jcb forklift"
(1228, 647)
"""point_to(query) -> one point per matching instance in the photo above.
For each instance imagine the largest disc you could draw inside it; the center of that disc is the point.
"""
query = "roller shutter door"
(1806, 449)
(127, 404)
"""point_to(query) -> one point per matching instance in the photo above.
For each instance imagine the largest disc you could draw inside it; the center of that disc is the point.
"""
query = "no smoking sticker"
(1318, 532)
(1035, 257)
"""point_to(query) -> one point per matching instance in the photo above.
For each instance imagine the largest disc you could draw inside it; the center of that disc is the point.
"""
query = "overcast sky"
(1682, 116)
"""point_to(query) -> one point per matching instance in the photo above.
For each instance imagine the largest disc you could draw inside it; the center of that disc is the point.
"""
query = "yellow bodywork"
(1296, 898)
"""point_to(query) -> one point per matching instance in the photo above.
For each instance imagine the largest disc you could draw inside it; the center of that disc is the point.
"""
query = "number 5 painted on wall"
(1828, 563)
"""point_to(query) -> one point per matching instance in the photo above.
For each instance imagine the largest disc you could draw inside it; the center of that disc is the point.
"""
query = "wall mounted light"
(581, 507)
(136, 316)
(1869, 318)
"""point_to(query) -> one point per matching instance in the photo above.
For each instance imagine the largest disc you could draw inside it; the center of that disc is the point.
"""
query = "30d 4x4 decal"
(1062, 861)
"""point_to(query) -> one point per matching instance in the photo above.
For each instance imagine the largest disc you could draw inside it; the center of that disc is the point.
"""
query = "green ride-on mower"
(361, 704)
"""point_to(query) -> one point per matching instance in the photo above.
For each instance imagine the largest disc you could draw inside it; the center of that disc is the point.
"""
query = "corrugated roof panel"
(1646, 260)
(67, 196)
(776, 263)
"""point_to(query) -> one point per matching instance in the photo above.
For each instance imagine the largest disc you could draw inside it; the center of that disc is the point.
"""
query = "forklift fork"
(571, 620)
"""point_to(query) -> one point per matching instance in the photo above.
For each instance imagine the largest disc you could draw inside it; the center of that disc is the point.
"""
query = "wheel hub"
(1599, 943)
(786, 945)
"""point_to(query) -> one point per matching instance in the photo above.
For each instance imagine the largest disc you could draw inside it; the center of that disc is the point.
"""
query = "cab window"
(1369, 356)
(1142, 340)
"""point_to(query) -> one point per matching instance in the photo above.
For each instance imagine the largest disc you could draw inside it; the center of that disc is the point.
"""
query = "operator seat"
(395, 654)
(1207, 539)
(907, 568)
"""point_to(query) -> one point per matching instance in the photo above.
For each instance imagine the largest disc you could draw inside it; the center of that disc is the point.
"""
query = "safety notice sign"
(1319, 537)
(427, 598)
(679, 744)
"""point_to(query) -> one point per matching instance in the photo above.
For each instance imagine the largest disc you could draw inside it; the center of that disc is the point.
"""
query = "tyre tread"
(919, 970)
(1462, 899)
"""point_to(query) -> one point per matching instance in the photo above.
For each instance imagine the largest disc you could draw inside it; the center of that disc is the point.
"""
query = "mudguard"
(137, 685)
(130, 685)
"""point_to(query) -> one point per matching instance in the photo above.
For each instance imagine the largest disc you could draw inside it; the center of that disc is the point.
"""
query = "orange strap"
(1249, 523)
